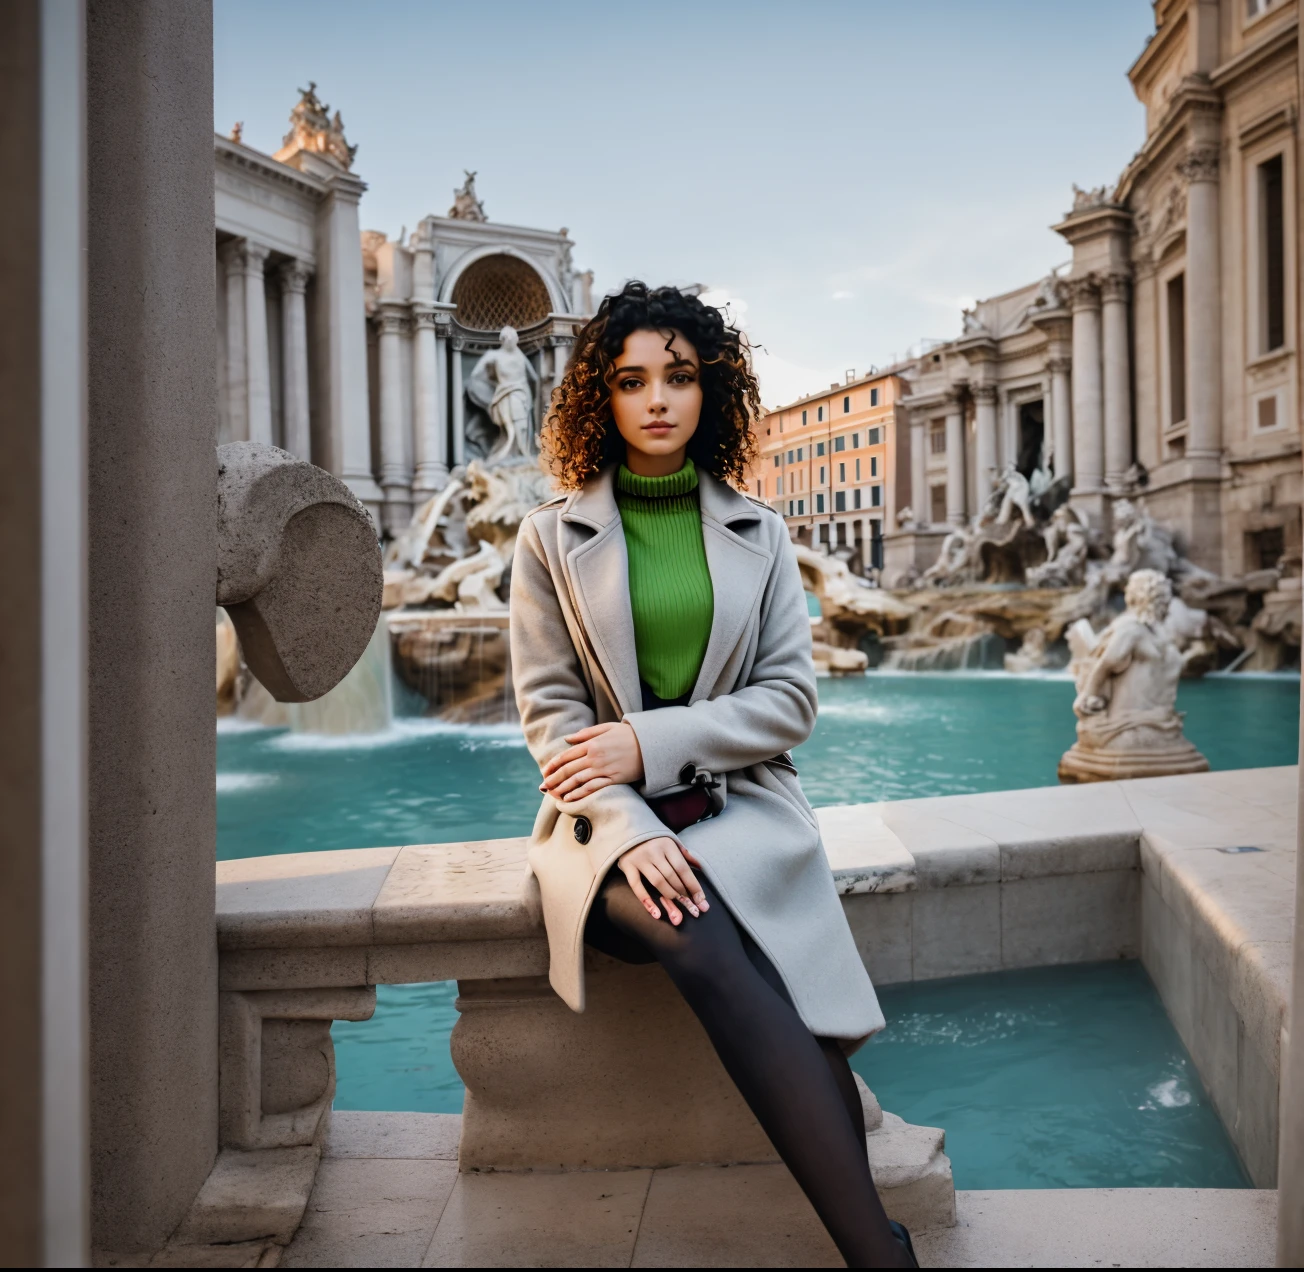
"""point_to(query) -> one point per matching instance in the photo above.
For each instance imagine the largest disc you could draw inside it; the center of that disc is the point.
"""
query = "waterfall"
(363, 702)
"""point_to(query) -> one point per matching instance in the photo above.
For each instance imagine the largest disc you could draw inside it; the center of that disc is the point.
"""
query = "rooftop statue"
(314, 129)
(1093, 197)
(502, 384)
(1126, 678)
(466, 204)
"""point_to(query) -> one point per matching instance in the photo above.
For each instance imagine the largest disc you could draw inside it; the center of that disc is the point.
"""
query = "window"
(840, 501)
(1253, 8)
(801, 453)
(873, 466)
(855, 497)
(819, 415)
(839, 443)
(819, 448)
(778, 485)
(790, 507)
(790, 457)
(937, 437)
(801, 507)
(873, 437)
(1272, 256)
(1269, 411)
(937, 504)
(855, 441)
(846, 406)
(857, 470)
(819, 503)
(803, 419)
(760, 490)
(873, 397)
(842, 472)
(876, 496)
(823, 479)
(1176, 293)
(776, 461)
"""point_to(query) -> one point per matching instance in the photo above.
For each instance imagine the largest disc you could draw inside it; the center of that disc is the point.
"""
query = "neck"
(642, 464)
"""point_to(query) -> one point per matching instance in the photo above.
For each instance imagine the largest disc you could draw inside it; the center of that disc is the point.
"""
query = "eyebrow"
(678, 362)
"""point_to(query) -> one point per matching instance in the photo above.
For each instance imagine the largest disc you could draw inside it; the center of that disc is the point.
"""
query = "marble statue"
(312, 128)
(1085, 200)
(953, 565)
(1031, 654)
(1067, 549)
(1015, 495)
(466, 204)
(1126, 678)
(1140, 543)
(502, 385)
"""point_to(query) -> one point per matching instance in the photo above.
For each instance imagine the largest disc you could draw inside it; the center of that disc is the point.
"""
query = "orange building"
(835, 465)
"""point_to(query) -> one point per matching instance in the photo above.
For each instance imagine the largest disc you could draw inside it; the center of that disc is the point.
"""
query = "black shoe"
(902, 1234)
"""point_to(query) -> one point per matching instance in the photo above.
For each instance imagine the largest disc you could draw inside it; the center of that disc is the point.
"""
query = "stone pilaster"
(957, 510)
(1088, 391)
(430, 435)
(395, 479)
(294, 278)
(459, 404)
(919, 494)
(1061, 416)
(985, 430)
(237, 391)
(1203, 309)
(1117, 380)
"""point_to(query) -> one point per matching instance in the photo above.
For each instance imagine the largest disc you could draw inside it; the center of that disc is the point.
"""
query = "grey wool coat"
(574, 663)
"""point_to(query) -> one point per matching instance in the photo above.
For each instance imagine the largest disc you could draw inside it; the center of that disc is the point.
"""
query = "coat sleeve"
(554, 701)
(772, 713)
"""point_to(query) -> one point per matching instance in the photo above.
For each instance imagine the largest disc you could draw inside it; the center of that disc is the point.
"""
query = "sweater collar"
(681, 483)
(594, 504)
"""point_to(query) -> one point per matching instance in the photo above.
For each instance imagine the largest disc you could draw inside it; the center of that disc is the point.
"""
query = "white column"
(459, 405)
(431, 448)
(258, 370)
(342, 328)
(1118, 386)
(1088, 427)
(294, 328)
(237, 391)
(1203, 311)
(956, 504)
(920, 496)
(1061, 416)
(985, 427)
(395, 480)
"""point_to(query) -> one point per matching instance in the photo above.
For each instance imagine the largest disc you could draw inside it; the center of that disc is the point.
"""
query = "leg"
(783, 1072)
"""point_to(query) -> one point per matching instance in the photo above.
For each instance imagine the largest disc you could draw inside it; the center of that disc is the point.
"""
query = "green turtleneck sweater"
(669, 583)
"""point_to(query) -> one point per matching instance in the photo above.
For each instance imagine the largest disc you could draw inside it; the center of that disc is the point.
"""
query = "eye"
(682, 377)
(630, 383)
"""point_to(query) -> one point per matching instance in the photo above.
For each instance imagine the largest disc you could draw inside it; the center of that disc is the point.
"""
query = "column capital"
(1059, 365)
(294, 276)
(951, 399)
(985, 393)
(392, 317)
(1201, 164)
(424, 319)
(1114, 285)
(1084, 292)
(244, 256)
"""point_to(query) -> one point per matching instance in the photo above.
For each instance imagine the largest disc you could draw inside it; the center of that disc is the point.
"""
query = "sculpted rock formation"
(1126, 678)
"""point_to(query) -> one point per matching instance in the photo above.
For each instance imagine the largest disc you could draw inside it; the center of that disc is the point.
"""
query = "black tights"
(800, 1087)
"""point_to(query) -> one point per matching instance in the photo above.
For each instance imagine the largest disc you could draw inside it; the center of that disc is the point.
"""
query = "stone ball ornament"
(298, 569)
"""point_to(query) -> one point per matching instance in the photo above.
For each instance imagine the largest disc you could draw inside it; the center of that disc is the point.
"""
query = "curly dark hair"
(580, 437)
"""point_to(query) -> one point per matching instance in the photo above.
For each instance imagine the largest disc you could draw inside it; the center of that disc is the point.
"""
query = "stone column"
(1088, 403)
(341, 320)
(431, 442)
(956, 503)
(459, 404)
(151, 497)
(1118, 382)
(919, 493)
(294, 327)
(237, 384)
(258, 370)
(395, 480)
(1061, 416)
(1203, 306)
(985, 427)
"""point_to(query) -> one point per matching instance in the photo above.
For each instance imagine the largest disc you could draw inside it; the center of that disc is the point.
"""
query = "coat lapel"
(599, 574)
(738, 573)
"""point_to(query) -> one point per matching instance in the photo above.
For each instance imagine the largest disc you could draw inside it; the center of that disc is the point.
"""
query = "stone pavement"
(389, 1195)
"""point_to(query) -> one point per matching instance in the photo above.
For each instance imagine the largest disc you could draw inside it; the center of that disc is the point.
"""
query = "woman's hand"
(668, 868)
(601, 755)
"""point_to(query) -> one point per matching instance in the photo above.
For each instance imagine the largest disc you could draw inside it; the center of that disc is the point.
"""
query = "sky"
(845, 174)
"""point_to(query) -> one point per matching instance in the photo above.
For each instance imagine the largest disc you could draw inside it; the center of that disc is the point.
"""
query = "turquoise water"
(1060, 1077)
(881, 736)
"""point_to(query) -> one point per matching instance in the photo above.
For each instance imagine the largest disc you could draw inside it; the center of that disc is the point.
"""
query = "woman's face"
(656, 400)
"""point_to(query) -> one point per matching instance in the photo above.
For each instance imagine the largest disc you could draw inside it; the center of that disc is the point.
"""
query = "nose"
(657, 404)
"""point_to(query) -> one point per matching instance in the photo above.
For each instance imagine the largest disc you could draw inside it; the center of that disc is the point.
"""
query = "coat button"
(687, 773)
(583, 830)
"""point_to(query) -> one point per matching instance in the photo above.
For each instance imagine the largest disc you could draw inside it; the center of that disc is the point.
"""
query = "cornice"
(1157, 47)
(235, 155)
(1281, 39)
(1107, 218)
(1195, 96)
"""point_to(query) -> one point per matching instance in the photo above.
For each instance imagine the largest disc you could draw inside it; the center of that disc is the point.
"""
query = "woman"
(661, 656)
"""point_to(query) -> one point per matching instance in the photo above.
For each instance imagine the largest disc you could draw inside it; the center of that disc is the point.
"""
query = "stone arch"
(497, 286)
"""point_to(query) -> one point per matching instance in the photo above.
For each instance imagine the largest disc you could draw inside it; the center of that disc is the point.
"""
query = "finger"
(565, 757)
(656, 876)
(636, 886)
(566, 771)
(595, 784)
(574, 780)
(686, 877)
(585, 734)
